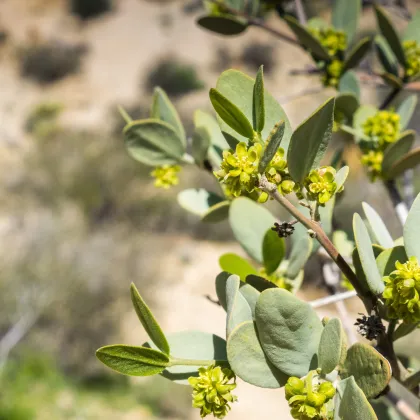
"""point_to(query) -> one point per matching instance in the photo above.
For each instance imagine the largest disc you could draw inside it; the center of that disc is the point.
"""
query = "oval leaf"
(273, 144)
(409, 161)
(390, 34)
(386, 260)
(231, 114)
(386, 56)
(369, 368)
(163, 109)
(406, 109)
(237, 307)
(367, 257)
(249, 222)
(412, 230)
(133, 361)
(258, 102)
(302, 245)
(234, 264)
(248, 361)
(357, 53)
(349, 83)
(216, 213)
(273, 250)
(310, 140)
(307, 39)
(346, 104)
(378, 227)
(260, 283)
(222, 25)
(194, 345)
(239, 88)
(412, 30)
(153, 143)
(198, 200)
(345, 16)
(289, 331)
(148, 320)
(397, 150)
(330, 346)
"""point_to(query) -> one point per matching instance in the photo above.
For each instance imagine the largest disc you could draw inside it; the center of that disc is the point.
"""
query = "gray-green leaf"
(258, 102)
(223, 25)
(397, 150)
(386, 259)
(345, 16)
(133, 361)
(349, 83)
(148, 320)
(273, 250)
(386, 56)
(302, 245)
(310, 141)
(357, 53)
(274, 140)
(406, 109)
(289, 331)
(378, 227)
(198, 200)
(231, 114)
(330, 346)
(412, 230)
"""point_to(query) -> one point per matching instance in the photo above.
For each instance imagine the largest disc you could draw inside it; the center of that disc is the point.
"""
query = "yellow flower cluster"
(402, 290)
(278, 279)
(412, 55)
(166, 176)
(212, 391)
(321, 184)
(383, 128)
(332, 74)
(239, 171)
(373, 161)
(308, 400)
(334, 41)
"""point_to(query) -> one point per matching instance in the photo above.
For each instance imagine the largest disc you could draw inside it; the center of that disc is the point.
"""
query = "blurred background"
(80, 220)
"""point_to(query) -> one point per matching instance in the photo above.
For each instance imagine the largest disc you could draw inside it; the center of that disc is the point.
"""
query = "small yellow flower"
(212, 390)
(334, 41)
(383, 128)
(402, 289)
(239, 169)
(373, 162)
(321, 185)
(166, 176)
(412, 54)
(277, 173)
(308, 399)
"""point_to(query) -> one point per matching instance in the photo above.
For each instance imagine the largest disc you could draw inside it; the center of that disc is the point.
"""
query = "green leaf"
(289, 331)
(360, 274)
(238, 309)
(163, 109)
(409, 161)
(353, 402)
(148, 320)
(345, 16)
(397, 150)
(195, 345)
(367, 257)
(198, 200)
(342, 242)
(221, 280)
(390, 34)
(133, 361)
(223, 25)
(239, 88)
(392, 80)
(317, 23)
(250, 294)
(248, 361)
(249, 222)
(200, 145)
(341, 177)
(412, 230)
(301, 250)
(412, 31)
(153, 143)
(330, 346)
(406, 109)
(347, 104)
(217, 213)
(357, 53)
(234, 264)
(310, 141)
(387, 259)
(274, 140)
(231, 114)
(207, 126)
(370, 369)
(308, 40)
(386, 56)
(403, 330)
(273, 251)
(349, 83)
(258, 115)
(260, 283)
(378, 227)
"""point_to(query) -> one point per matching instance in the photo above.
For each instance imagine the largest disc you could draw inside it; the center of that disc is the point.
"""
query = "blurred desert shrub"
(50, 61)
(257, 53)
(175, 77)
(87, 9)
(42, 119)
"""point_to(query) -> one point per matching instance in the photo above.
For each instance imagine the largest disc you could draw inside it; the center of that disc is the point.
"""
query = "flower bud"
(294, 386)
(412, 55)
(315, 399)
(166, 176)
(327, 388)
